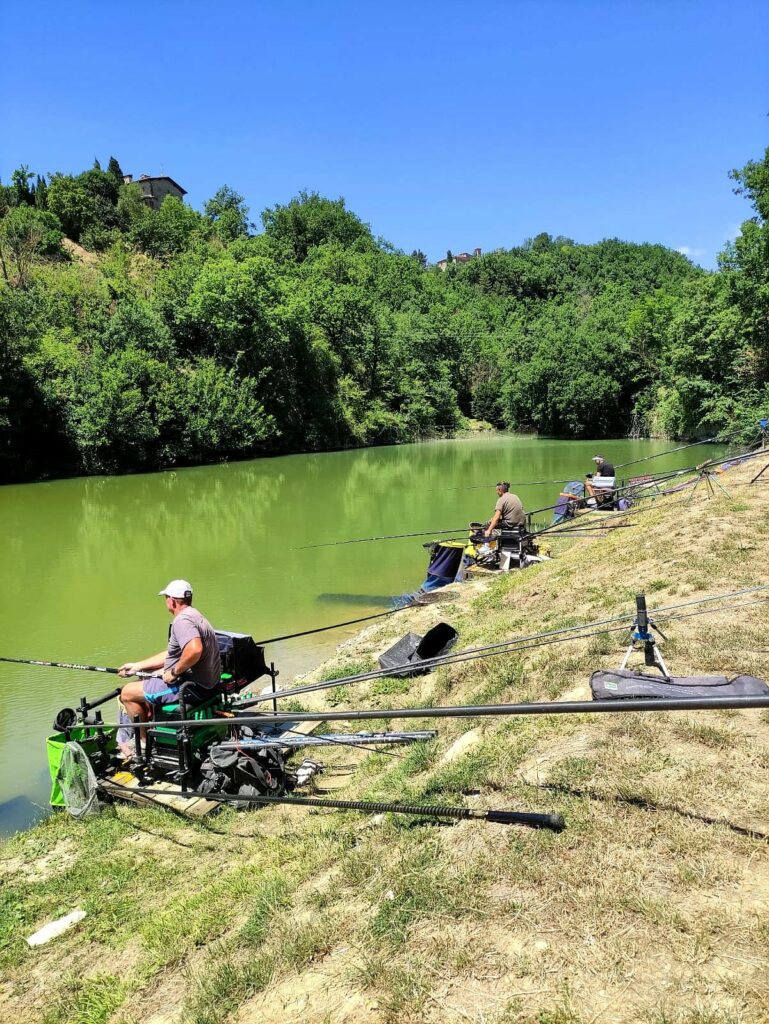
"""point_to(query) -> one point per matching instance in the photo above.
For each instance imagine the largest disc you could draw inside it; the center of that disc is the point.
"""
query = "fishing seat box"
(412, 649)
(619, 684)
(242, 663)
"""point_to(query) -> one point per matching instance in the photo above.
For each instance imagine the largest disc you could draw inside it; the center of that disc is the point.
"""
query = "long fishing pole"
(545, 508)
(510, 646)
(389, 536)
(66, 664)
(671, 451)
(513, 646)
(554, 530)
(335, 625)
(356, 740)
(621, 465)
(401, 536)
(529, 818)
(574, 707)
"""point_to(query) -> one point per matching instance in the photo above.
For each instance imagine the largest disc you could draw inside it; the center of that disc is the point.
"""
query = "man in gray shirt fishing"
(192, 657)
(508, 511)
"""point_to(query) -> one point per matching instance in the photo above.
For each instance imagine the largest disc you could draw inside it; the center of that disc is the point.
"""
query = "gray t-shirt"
(511, 509)
(186, 626)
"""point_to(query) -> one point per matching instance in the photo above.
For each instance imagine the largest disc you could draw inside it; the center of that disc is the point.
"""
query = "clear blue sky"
(443, 125)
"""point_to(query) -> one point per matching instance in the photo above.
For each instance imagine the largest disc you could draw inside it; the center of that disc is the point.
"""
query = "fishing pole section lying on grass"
(532, 819)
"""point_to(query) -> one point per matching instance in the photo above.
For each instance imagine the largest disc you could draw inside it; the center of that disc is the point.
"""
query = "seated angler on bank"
(191, 657)
(508, 512)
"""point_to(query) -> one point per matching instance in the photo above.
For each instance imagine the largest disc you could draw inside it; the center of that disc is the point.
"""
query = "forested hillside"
(139, 339)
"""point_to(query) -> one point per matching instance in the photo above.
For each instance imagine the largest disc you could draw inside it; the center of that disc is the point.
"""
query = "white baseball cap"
(178, 589)
(598, 458)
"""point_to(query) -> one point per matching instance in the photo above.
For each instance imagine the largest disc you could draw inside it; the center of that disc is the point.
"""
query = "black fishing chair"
(514, 546)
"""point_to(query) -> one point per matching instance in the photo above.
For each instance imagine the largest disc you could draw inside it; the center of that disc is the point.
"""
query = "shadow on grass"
(649, 805)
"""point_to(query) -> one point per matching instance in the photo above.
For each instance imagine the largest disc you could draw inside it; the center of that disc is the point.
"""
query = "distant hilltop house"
(460, 257)
(154, 190)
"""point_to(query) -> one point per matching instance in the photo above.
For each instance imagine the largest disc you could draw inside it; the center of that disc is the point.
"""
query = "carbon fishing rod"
(389, 536)
(401, 536)
(528, 818)
(629, 488)
(556, 528)
(357, 740)
(511, 646)
(335, 625)
(573, 707)
(66, 664)
(546, 508)
(658, 455)
(621, 465)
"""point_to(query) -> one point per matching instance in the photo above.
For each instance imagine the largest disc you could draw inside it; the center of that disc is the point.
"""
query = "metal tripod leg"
(760, 473)
(659, 661)
(714, 479)
(694, 489)
(626, 659)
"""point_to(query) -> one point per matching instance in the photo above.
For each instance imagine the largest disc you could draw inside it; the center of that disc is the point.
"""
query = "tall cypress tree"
(113, 168)
(41, 193)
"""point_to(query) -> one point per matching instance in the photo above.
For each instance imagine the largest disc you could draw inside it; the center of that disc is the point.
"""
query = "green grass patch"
(87, 1001)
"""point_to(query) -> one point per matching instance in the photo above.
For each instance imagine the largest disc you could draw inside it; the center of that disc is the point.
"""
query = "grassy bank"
(651, 907)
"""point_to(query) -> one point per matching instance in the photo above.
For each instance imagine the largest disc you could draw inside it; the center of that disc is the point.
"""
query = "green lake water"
(81, 561)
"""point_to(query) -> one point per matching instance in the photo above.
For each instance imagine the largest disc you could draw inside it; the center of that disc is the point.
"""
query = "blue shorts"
(158, 692)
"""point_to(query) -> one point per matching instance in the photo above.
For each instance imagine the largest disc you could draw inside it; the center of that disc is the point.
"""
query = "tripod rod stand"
(641, 633)
(709, 478)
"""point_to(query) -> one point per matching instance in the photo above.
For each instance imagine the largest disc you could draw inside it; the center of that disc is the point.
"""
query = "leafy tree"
(22, 190)
(41, 193)
(166, 231)
(86, 205)
(310, 220)
(228, 213)
(25, 235)
(114, 170)
(70, 200)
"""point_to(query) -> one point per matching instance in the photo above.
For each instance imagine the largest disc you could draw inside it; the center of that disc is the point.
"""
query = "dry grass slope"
(651, 907)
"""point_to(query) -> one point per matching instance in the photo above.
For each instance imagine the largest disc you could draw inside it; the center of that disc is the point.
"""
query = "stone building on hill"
(460, 257)
(155, 189)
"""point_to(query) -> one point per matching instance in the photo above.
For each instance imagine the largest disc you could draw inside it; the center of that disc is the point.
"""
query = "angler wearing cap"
(192, 657)
(602, 467)
(599, 486)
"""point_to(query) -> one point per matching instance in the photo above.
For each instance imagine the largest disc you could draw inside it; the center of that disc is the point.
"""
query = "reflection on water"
(81, 560)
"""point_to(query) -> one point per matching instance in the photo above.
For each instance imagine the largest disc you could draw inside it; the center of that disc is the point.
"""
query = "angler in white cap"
(192, 657)
(602, 467)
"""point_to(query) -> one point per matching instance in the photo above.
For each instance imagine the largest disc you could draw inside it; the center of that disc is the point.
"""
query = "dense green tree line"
(135, 338)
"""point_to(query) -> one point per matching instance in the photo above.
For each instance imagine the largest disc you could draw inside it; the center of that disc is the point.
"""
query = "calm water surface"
(82, 560)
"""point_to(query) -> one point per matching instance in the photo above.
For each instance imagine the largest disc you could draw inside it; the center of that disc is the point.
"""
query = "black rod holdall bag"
(619, 684)
(412, 649)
